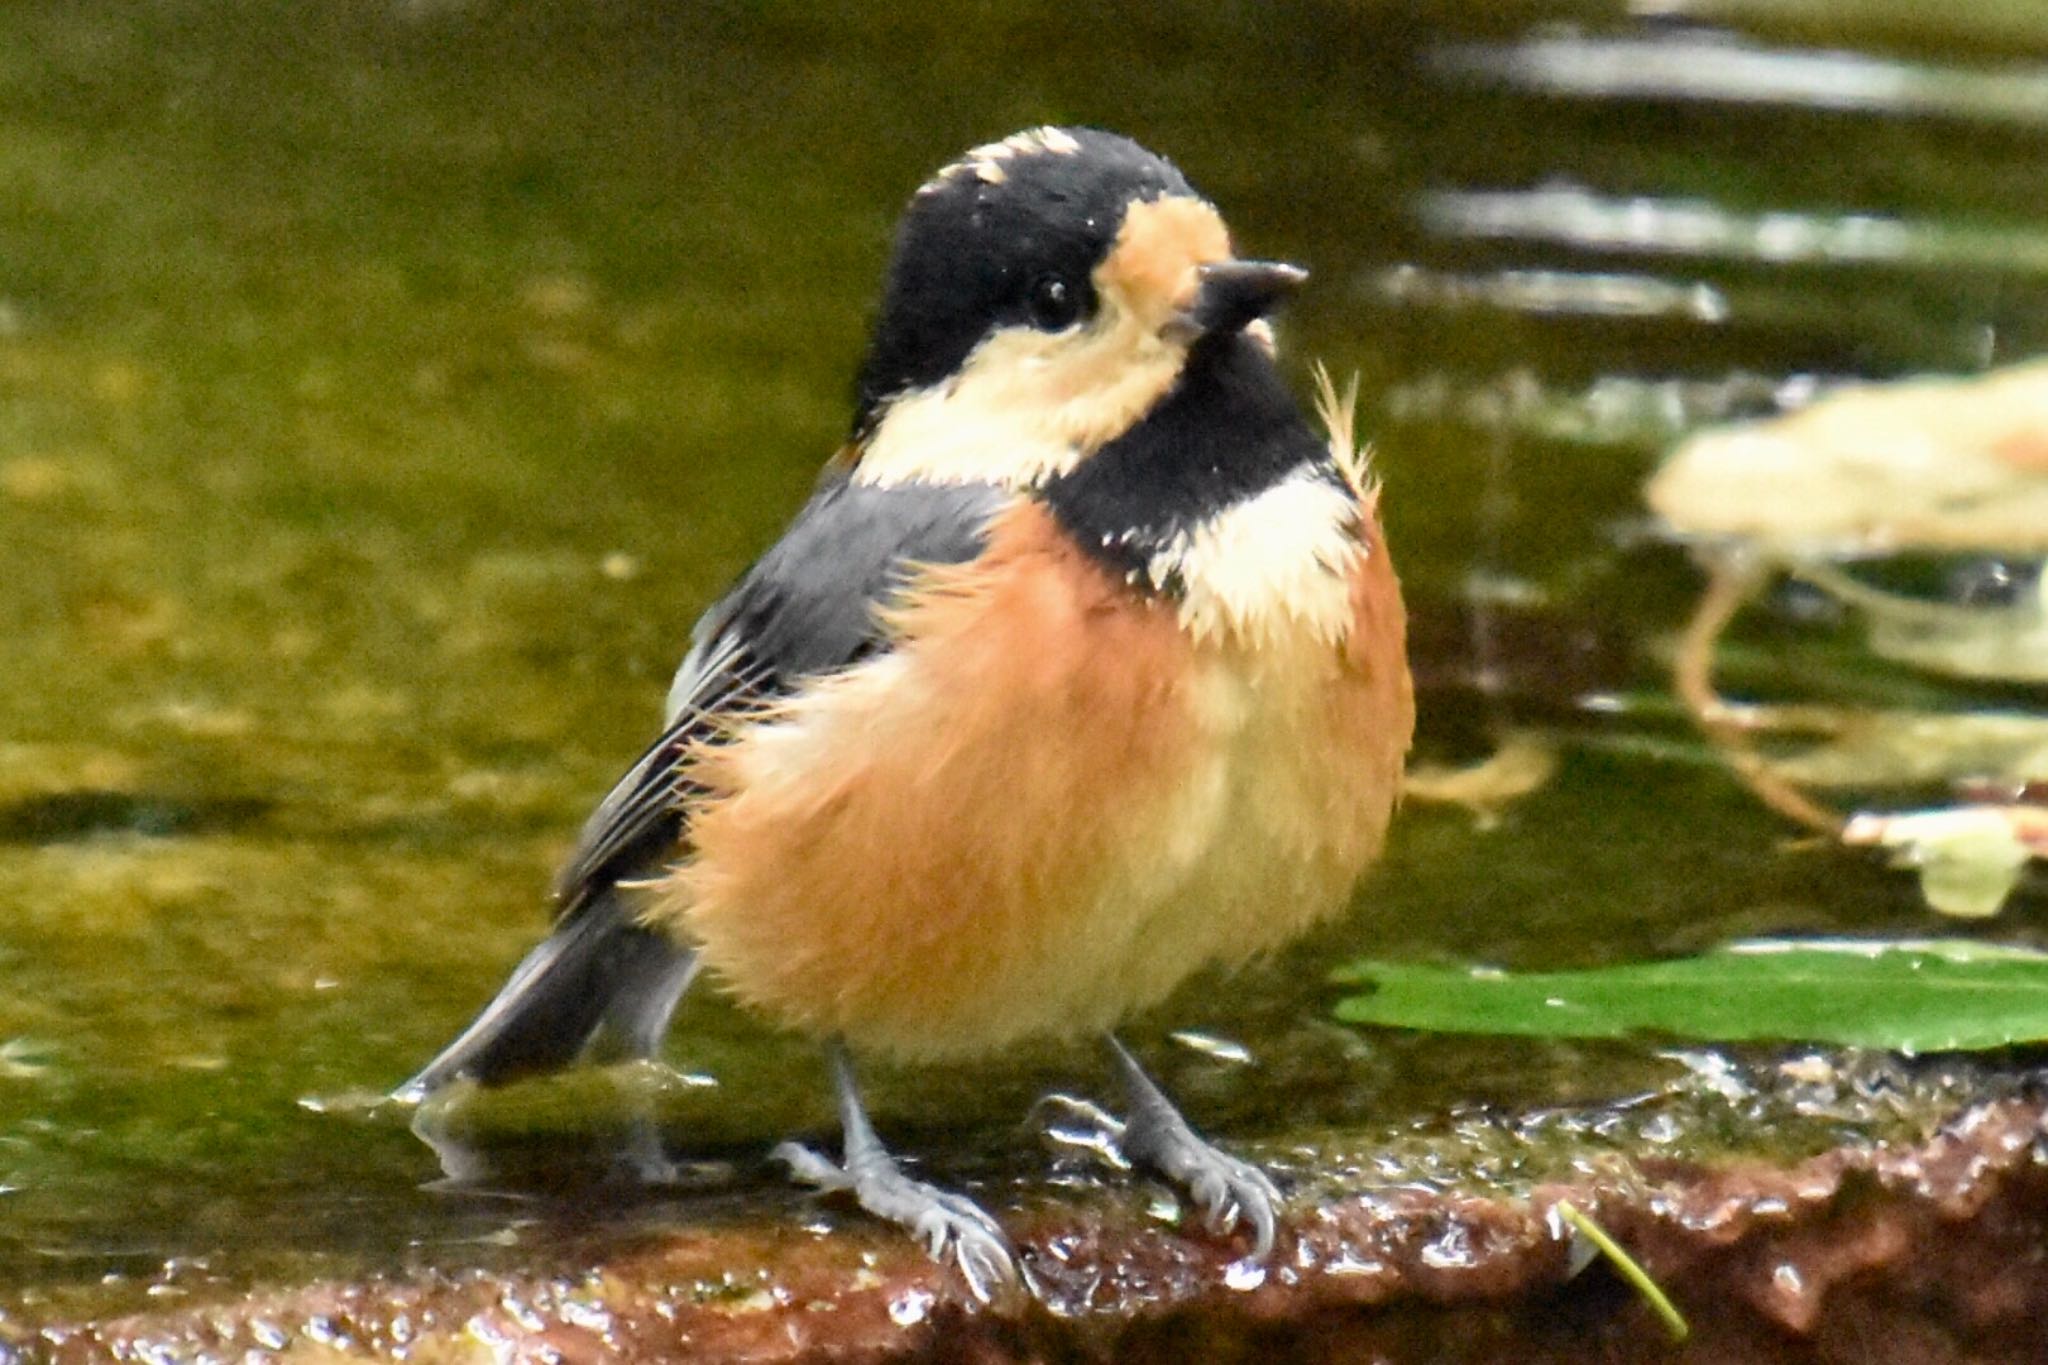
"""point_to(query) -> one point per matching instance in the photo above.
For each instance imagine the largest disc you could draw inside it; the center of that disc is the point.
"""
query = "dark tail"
(600, 969)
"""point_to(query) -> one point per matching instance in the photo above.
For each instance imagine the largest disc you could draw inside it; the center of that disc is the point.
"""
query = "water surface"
(384, 388)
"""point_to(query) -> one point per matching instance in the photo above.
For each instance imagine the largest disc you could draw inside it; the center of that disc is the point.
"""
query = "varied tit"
(1083, 669)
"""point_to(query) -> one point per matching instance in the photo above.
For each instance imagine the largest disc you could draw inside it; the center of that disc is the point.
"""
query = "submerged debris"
(1969, 857)
(1928, 467)
(1942, 465)
(1523, 765)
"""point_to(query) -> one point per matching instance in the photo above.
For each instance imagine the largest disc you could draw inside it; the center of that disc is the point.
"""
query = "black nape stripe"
(1228, 430)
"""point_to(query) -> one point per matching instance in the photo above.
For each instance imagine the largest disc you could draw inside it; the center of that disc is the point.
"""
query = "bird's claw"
(806, 1167)
(1228, 1191)
(950, 1226)
(955, 1226)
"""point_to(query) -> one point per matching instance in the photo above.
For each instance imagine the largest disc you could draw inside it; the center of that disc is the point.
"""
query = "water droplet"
(327, 1332)
(909, 1308)
(1210, 1045)
(1244, 1274)
(522, 1312)
(1452, 1250)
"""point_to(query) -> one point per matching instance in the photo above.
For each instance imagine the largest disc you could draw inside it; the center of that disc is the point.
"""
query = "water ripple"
(1576, 217)
(1563, 293)
(1717, 68)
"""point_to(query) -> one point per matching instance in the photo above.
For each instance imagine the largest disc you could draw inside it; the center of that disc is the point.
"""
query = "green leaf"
(1908, 996)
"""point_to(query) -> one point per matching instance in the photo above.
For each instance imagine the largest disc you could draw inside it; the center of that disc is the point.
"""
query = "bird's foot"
(951, 1226)
(1229, 1191)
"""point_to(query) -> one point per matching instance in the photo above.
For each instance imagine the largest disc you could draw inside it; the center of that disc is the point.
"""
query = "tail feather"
(599, 970)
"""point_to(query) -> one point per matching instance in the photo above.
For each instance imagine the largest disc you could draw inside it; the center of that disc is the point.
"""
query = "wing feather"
(808, 607)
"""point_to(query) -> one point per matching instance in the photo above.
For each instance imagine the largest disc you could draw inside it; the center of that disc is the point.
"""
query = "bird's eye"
(1056, 302)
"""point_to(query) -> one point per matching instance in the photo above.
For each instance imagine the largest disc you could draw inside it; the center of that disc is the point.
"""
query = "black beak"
(1235, 293)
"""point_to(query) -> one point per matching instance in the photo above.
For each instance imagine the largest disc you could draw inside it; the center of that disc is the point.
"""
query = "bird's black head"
(1009, 235)
(1042, 296)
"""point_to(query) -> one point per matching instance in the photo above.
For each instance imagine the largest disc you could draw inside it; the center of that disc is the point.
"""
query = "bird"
(1082, 669)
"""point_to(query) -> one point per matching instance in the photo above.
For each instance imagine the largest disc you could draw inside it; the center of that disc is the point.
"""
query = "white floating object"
(1969, 857)
(1934, 465)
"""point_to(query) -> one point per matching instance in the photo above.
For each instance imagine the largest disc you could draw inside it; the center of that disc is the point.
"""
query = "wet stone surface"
(1924, 1249)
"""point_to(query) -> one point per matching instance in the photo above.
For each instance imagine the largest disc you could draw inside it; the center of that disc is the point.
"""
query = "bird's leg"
(1226, 1189)
(950, 1225)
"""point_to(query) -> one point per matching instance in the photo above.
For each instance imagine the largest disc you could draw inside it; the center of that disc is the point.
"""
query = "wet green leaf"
(1914, 996)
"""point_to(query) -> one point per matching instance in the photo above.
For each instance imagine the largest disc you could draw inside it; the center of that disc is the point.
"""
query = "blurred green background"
(384, 388)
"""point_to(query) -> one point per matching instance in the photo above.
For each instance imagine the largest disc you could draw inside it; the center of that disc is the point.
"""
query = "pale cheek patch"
(1269, 569)
(1026, 406)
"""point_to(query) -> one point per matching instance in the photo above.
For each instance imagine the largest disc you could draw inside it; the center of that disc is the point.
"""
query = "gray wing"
(806, 608)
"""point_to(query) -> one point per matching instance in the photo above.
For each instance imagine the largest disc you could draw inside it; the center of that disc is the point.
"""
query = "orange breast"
(1043, 808)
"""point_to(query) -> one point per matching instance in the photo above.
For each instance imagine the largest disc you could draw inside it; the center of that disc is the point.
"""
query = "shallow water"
(384, 389)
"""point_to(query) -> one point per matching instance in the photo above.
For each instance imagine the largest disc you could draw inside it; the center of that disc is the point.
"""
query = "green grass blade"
(1630, 1269)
